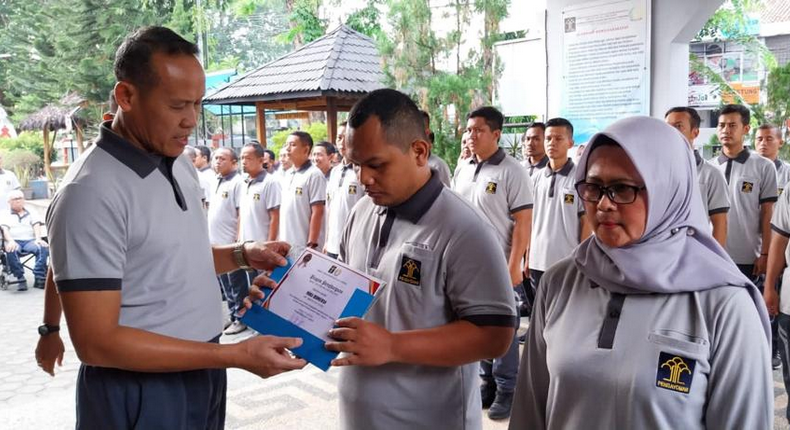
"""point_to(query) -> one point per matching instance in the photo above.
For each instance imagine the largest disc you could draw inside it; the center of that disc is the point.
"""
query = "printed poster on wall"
(606, 64)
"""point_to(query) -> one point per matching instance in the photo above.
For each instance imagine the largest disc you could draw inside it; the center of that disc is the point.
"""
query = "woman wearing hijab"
(649, 324)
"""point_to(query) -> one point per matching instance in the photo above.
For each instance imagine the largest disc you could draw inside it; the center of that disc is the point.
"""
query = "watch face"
(43, 330)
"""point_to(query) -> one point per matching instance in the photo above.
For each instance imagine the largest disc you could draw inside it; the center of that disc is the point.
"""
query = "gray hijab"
(676, 253)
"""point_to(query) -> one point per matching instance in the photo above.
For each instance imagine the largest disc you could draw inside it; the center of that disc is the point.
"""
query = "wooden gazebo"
(329, 74)
(54, 117)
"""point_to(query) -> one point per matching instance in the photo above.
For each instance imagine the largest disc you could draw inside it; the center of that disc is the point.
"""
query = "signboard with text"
(606, 64)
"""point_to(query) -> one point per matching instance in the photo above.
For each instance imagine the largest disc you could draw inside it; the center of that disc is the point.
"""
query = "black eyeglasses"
(621, 194)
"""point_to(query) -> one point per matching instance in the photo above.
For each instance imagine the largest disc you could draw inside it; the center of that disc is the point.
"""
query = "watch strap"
(239, 257)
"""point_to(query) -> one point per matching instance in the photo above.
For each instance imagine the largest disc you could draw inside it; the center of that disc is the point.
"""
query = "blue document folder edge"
(266, 322)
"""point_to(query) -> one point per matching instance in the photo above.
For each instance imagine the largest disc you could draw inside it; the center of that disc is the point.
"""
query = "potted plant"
(23, 162)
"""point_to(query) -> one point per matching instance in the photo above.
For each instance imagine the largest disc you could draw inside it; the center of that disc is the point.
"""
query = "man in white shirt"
(23, 232)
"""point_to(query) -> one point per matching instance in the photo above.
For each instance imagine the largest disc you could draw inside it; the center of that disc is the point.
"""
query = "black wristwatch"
(46, 329)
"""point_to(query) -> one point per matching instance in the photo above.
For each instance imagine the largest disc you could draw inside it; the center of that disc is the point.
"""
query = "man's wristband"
(239, 257)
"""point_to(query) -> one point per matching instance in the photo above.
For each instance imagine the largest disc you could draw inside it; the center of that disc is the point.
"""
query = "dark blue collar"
(141, 162)
(418, 204)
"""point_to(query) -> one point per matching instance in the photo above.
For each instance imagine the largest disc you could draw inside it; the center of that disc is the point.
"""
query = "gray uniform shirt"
(752, 181)
(261, 195)
(207, 178)
(647, 361)
(713, 187)
(441, 168)
(223, 211)
(780, 223)
(555, 217)
(301, 189)
(499, 187)
(343, 191)
(534, 169)
(432, 279)
(129, 221)
(782, 174)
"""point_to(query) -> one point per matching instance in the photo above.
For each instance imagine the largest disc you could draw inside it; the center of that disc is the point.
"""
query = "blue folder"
(312, 349)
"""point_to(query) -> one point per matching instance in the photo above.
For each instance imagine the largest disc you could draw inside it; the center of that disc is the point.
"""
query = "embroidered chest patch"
(491, 188)
(747, 187)
(410, 270)
(675, 373)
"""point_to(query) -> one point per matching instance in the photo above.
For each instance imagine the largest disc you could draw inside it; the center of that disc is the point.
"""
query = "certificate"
(315, 291)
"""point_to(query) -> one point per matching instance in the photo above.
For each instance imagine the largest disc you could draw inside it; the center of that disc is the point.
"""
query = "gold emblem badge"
(352, 189)
(675, 373)
(224, 194)
(747, 187)
(410, 271)
(256, 197)
(569, 199)
(491, 188)
(298, 191)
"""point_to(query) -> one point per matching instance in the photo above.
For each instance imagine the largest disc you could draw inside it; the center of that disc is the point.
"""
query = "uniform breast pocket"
(415, 266)
(490, 186)
(681, 363)
(749, 186)
(569, 198)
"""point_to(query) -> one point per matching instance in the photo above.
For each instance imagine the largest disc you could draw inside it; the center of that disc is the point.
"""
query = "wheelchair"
(28, 261)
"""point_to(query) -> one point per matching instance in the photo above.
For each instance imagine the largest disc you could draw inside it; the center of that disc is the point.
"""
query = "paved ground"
(29, 398)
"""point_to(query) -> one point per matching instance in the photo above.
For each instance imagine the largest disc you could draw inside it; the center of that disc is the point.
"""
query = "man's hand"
(771, 300)
(266, 255)
(255, 292)
(42, 243)
(759, 265)
(11, 245)
(516, 275)
(48, 351)
(366, 343)
(267, 356)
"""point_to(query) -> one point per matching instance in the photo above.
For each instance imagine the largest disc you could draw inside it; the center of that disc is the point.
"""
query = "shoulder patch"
(675, 373)
(410, 270)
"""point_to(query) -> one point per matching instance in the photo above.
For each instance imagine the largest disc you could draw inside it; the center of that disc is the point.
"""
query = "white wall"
(673, 24)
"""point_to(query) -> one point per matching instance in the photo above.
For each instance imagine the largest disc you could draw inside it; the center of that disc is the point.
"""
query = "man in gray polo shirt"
(413, 358)
(753, 191)
(259, 207)
(497, 185)
(303, 195)
(712, 185)
(343, 191)
(435, 162)
(558, 221)
(533, 149)
(139, 295)
(223, 229)
(768, 142)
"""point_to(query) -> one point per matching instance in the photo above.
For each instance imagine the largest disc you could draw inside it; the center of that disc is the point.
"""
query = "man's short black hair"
(694, 118)
(560, 122)
(400, 118)
(133, 57)
(773, 128)
(304, 137)
(233, 155)
(493, 117)
(536, 124)
(259, 151)
(328, 147)
(741, 110)
(271, 154)
(205, 151)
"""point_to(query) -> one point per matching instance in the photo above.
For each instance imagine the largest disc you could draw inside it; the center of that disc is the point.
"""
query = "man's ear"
(421, 150)
(695, 133)
(126, 95)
